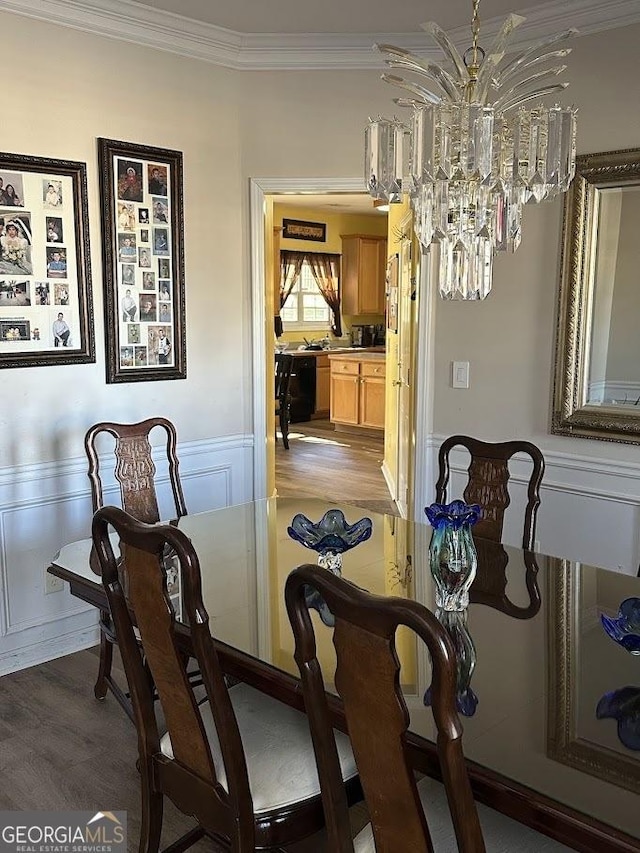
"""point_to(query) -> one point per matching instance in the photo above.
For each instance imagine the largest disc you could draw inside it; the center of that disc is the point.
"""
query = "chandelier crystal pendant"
(471, 154)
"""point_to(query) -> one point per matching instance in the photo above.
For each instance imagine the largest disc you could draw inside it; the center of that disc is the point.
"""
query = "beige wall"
(509, 339)
(232, 126)
(72, 89)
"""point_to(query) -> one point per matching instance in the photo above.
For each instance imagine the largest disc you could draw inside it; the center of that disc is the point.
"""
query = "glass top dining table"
(551, 711)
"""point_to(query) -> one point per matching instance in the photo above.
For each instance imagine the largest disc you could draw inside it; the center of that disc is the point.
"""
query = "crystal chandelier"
(471, 154)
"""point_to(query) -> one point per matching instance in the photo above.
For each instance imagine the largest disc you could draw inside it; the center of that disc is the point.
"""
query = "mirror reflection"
(614, 358)
(597, 365)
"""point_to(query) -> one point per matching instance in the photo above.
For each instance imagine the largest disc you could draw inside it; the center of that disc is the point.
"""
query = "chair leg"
(151, 817)
(284, 426)
(106, 658)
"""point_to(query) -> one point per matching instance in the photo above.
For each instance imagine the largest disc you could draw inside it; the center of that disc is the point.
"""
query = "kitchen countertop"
(341, 351)
(376, 353)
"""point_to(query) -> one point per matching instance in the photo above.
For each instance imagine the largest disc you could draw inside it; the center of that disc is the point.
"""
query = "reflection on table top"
(542, 658)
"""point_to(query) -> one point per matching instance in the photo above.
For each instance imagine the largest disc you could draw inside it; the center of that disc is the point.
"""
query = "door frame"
(259, 188)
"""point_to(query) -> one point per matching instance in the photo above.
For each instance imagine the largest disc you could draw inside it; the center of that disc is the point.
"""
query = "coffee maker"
(367, 336)
(356, 336)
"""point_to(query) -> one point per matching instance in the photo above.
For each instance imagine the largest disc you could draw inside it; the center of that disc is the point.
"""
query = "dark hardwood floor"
(338, 466)
(62, 749)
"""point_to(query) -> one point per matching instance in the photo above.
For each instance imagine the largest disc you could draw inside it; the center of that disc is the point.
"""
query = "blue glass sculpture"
(624, 706)
(330, 538)
(452, 552)
(455, 623)
(625, 627)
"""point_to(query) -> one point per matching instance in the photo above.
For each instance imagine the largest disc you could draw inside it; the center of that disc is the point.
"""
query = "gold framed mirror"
(597, 358)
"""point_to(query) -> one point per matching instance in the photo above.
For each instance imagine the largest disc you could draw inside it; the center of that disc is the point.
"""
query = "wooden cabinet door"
(371, 275)
(323, 389)
(349, 275)
(344, 397)
(372, 402)
(364, 260)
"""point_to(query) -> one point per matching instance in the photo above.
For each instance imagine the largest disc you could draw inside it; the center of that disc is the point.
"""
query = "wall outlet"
(52, 583)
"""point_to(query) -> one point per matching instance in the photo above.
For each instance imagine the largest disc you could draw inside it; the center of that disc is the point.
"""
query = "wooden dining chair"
(284, 369)
(405, 815)
(490, 583)
(487, 484)
(241, 763)
(135, 474)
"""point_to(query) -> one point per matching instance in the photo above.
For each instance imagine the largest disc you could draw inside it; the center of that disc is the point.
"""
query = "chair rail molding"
(589, 505)
(44, 506)
(143, 25)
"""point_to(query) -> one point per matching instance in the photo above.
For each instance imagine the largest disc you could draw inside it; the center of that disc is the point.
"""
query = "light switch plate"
(460, 374)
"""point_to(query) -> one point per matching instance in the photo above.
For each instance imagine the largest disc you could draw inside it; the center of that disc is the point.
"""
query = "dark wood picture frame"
(143, 261)
(45, 268)
(299, 229)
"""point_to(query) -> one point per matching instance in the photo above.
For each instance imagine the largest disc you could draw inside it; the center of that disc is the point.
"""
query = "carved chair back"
(284, 368)
(135, 469)
(189, 778)
(487, 485)
(490, 584)
(367, 680)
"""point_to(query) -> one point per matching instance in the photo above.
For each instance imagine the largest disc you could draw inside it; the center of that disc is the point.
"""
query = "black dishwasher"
(303, 389)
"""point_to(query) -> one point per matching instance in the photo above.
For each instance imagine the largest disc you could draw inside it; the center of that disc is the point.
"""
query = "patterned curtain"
(326, 272)
(290, 266)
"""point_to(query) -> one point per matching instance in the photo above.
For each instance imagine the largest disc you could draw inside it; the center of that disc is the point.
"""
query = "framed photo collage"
(46, 314)
(143, 261)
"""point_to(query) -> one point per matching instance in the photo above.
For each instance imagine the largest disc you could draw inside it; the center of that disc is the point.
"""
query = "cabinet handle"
(397, 382)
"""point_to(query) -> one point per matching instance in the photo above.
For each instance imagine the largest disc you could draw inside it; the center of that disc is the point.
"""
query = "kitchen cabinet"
(372, 380)
(323, 387)
(364, 264)
(358, 392)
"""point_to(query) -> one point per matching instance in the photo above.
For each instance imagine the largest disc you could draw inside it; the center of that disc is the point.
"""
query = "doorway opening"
(263, 193)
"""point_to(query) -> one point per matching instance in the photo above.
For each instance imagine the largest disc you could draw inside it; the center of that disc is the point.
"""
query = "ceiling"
(330, 202)
(263, 35)
(336, 16)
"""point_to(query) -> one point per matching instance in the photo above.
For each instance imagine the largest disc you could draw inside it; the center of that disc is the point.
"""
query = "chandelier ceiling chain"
(471, 154)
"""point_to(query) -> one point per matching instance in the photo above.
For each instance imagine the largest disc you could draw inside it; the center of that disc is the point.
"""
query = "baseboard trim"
(46, 650)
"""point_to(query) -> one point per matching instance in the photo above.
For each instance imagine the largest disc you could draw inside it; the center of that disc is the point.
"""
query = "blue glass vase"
(455, 623)
(452, 552)
(329, 538)
(623, 706)
(625, 627)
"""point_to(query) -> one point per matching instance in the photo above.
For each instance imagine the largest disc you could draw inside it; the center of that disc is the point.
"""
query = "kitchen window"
(305, 306)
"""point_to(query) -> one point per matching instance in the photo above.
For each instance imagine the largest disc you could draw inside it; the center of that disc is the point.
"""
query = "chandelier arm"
(408, 102)
(405, 59)
(432, 72)
(509, 94)
(448, 48)
(427, 96)
(471, 164)
(500, 78)
(523, 57)
(494, 57)
(530, 96)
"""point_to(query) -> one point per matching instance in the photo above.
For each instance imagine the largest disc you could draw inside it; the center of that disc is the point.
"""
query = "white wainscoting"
(589, 511)
(43, 507)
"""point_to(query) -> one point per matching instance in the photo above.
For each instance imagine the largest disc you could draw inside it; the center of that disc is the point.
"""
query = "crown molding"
(133, 22)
